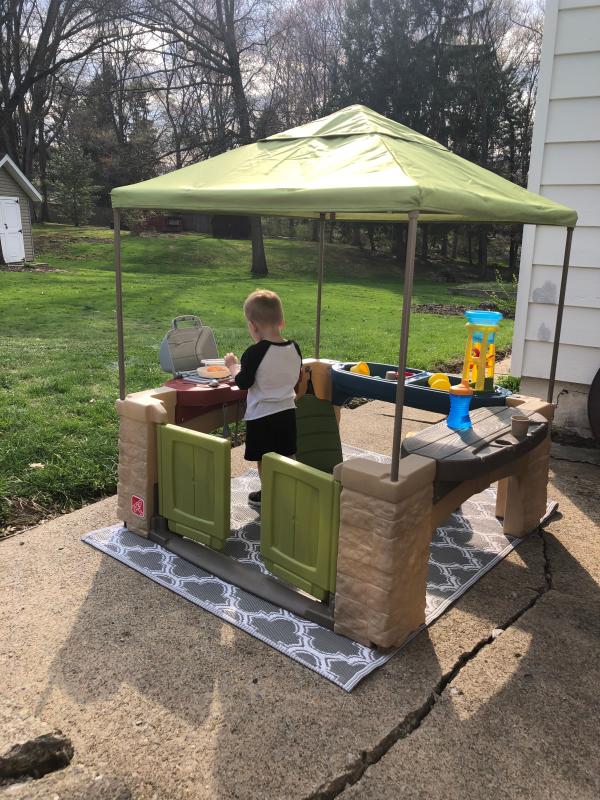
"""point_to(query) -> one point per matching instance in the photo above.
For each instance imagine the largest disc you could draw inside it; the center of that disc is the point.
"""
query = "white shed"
(565, 167)
(16, 195)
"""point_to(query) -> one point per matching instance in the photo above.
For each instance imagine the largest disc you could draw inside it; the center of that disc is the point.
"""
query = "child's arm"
(296, 387)
(250, 362)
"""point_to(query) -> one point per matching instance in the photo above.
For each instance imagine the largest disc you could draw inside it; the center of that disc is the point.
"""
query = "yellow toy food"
(439, 381)
(361, 368)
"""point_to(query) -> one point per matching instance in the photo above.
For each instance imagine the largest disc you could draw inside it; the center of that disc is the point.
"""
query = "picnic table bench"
(489, 444)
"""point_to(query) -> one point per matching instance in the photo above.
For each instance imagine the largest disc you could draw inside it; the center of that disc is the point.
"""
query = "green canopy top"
(354, 163)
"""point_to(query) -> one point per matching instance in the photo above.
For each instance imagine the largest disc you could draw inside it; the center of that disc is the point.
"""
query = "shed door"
(194, 482)
(11, 230)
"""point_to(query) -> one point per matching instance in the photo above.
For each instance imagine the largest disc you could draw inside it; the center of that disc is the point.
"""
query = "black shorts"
(273, 434)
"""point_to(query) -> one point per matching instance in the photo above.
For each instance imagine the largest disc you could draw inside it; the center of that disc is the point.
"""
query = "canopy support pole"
(119, 298)
(559, 314)
(320, 282)
(409, 272)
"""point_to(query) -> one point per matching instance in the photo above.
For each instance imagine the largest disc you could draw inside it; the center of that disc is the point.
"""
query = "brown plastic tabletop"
(461, 455)
(194, 399)
(201, 394)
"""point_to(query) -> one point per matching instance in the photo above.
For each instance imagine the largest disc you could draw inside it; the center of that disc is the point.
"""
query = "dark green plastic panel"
(194, 482)
(318, 444)
(300, 520)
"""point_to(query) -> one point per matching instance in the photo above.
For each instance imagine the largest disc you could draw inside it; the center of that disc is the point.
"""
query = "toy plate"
(214, 371)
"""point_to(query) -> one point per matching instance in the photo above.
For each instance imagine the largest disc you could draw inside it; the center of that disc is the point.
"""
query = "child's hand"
(232, 365)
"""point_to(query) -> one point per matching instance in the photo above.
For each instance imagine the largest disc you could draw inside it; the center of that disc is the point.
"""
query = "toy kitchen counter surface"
(194, 399)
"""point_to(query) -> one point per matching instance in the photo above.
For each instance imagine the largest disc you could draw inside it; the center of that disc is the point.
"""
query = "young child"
(270, 370)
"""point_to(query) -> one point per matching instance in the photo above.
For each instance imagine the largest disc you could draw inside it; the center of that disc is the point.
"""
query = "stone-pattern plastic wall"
(139, 415)
(385, 531)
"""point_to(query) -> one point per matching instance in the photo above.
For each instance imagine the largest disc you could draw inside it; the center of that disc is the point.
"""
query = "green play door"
(300, 520)
(194, 483)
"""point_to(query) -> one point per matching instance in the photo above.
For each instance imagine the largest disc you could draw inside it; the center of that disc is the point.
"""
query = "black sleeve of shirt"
(249, 363)
(300, 354)
(297, 346)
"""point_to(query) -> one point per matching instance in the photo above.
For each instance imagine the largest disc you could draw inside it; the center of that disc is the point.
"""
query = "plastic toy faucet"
(460, 400)
(480, 352)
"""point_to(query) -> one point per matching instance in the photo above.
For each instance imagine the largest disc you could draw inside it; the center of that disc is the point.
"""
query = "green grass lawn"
(58, 357)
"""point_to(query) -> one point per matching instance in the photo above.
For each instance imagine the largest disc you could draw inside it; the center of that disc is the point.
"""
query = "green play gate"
(300, 512)
(194, 484)
(300, 520)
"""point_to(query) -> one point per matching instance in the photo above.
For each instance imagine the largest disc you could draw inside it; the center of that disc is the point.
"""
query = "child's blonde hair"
(264, 308)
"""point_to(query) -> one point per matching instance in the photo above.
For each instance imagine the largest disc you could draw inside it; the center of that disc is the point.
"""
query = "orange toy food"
(214, 371)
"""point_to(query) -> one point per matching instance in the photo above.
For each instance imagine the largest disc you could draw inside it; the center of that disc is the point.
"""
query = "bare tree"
(225, 39)
(196, 115)
(38, 40)
(303, 59)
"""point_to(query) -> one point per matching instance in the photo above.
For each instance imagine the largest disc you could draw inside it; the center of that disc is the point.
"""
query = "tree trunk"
(43, 161)
(482, 251)
(514, 249)
(330, 234)
(291, 224)
(512, 254)
(470, 245)
(444, 244)
(398, 243)
(424, 242)
(455, 244)
(259, 260)
(356, 240)
(371, 235)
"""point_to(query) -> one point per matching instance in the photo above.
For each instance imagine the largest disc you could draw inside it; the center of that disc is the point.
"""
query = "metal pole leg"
(119, 298)
(320, 283)
(409, 272)
(559, 314)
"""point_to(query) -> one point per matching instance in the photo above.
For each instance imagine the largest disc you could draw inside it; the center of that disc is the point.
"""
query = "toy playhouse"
(346, 543)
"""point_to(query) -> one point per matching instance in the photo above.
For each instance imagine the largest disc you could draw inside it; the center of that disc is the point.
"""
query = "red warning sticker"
(137, 506)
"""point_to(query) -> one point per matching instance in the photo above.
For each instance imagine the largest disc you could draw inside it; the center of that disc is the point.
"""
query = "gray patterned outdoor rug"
(467, 546)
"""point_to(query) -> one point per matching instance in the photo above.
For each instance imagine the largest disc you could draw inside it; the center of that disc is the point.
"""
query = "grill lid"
(184, 348)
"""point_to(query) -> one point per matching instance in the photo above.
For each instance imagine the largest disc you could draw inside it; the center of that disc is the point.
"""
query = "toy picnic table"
(489, 444)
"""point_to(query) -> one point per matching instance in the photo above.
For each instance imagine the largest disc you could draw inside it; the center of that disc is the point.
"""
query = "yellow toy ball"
(361, 368)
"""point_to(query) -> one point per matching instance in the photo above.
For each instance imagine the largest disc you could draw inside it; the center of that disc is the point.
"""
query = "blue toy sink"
(417, 392)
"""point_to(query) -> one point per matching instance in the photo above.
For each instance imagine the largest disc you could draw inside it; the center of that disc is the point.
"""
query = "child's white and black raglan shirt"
(270, 371)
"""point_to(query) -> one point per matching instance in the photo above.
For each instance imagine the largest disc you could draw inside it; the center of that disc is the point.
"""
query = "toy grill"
(186, 347)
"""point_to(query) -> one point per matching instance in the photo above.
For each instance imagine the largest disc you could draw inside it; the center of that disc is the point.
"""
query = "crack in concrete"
(575, 460)
(547, 564)
(414, 719)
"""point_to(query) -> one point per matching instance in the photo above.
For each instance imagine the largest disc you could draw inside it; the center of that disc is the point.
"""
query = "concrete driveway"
(498, 699)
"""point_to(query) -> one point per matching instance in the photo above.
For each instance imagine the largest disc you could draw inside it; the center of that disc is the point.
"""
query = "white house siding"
(9, 188)
(565, 166)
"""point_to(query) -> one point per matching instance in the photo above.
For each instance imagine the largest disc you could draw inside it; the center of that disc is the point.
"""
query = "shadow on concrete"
(521, 720)
(579, 482)
(215, 695)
